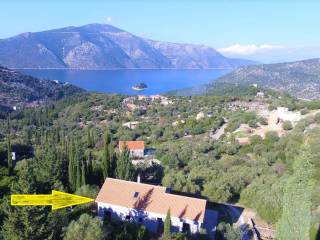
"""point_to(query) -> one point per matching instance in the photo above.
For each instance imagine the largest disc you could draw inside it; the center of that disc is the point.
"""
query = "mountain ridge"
(102, 46)
(299, 78)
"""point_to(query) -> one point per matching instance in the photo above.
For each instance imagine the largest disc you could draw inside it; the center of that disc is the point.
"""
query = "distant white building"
(148, 204)
(200, 115)
(260, 95)
(131, 125)
(136, 148)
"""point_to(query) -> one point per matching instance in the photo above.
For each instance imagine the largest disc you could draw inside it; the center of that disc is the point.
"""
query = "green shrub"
(287, 125)
(263, 121)
(304, 111)
(272, 137)
(255, 139)
(227, 232)
(317, 118)
(252, 123)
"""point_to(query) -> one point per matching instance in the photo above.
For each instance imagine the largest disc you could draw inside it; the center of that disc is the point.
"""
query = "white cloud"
(248, 49)
(109, 19)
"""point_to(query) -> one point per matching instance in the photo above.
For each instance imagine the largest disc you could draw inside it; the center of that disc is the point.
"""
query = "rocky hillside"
(195, 56)
(300, 79)
(21, 90)
(100, 46)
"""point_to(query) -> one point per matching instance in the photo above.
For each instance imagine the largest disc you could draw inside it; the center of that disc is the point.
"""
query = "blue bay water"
(121, 81)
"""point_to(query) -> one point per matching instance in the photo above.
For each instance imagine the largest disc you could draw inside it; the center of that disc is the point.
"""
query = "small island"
(140, 86)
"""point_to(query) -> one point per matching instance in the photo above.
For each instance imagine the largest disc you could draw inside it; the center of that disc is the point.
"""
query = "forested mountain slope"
(17, 89)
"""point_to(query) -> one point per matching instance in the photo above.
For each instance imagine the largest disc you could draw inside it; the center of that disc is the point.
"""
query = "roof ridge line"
(116, 179)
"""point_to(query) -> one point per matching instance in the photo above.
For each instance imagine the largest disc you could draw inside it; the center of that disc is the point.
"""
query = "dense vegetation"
(21, 90)
(71, 145)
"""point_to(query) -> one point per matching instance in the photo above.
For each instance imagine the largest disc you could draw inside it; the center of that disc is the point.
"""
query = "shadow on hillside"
(318, 234)
(227, 213)
(195, 195)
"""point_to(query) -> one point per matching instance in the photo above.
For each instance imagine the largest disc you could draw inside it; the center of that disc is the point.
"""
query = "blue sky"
(253, 28)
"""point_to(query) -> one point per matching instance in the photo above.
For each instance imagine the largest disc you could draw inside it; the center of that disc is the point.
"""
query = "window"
(160, 226)
(140, 219)
(186, 228)
(107, 214)
(135, 194)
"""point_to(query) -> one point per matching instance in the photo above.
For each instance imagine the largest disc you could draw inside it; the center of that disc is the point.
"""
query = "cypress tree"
(71, 166)
(9, 156)
(93, 137)
(78, 180)
(167, 226)
(112, 161)
(28, 136)
(41, 136)
(27, 222)
(296, 215)
(46, 137)
(77, 168)
(124, 167)
(106, 158)
(89, 168)
(64, 142)
(83, 174)
(57, 135)
(89, 141)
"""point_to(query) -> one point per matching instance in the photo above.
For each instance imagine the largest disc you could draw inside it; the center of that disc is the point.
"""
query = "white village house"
(148, 204)
(136, 148)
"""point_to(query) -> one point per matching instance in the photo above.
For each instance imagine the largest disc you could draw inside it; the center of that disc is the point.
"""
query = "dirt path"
(220, 131)
(242, 217)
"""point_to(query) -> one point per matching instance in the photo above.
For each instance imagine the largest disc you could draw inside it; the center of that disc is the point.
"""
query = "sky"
(262, 30)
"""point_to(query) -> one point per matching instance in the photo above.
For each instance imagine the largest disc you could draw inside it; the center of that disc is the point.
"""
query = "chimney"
(138, 178)
(13, 156)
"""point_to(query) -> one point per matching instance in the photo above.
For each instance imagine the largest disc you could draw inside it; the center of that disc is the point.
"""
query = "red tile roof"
(132, 145)
(151, 198)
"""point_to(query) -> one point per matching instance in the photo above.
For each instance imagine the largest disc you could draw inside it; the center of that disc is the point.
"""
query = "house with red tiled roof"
(148, 204)
(136, 148)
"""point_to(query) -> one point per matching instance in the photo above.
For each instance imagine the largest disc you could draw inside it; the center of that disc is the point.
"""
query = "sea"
(121, 81)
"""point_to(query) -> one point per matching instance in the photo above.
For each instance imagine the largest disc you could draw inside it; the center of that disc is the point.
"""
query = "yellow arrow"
(56, 200)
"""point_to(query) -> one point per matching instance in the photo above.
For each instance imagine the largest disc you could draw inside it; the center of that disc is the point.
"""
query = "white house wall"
(137, 153)
(149, 218)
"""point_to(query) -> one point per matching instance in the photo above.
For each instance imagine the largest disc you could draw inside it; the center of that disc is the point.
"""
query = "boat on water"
(140, 87)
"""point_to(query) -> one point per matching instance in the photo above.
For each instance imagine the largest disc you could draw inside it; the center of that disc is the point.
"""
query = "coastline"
(117, 69)
(138, 89)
